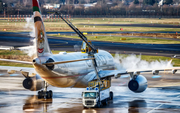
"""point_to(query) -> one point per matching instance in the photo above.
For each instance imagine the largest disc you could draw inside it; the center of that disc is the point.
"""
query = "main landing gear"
(44, 93)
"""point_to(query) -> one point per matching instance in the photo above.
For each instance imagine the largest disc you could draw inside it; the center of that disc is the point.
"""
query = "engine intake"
(138, 84)
(174, 71)
(50, 67)
(33, 85)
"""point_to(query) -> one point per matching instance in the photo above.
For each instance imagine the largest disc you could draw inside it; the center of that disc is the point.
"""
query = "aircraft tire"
(48, 94)
(40, 94)
(51, 93)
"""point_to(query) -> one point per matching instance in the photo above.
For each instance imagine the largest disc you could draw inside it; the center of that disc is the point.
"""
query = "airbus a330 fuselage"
(72, 69)
(74, 74)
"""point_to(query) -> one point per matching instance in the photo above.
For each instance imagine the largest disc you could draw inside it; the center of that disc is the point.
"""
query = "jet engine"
(51, 67)
(174, 71)
(138, 84)
(33, 84)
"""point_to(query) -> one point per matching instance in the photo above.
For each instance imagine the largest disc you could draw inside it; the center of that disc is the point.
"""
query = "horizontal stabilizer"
(52, 63)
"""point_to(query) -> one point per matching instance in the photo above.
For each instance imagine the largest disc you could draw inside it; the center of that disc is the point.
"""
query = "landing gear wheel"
(50, 93)
(45, 94)
(40, 94)
(111, 95)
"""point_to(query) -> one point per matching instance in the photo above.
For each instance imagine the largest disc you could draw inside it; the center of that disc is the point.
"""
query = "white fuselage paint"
(74, 74)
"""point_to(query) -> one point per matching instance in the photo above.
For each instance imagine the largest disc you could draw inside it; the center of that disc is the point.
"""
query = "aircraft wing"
(30, 72)
(111, 73)
(123, 73)
(26, 71)
(154, 71)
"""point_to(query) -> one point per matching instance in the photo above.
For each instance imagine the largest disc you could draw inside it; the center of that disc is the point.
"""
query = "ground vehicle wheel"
(106, 102)
(85, 107)
(111, 95)
(98, 104)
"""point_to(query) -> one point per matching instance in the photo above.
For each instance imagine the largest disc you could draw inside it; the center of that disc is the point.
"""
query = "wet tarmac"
(166, 99)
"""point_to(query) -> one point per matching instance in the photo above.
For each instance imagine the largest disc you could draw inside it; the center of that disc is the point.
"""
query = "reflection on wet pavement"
(33, 103)
(68, 100)
(153, 100)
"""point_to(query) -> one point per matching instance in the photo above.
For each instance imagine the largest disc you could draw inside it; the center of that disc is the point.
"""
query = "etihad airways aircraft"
(71, 69)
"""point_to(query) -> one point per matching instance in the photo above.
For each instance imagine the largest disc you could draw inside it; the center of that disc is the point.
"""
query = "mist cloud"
(133, 62)
(30, 50)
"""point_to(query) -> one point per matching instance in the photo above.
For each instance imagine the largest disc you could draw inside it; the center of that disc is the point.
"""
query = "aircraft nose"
(40, 60)
(37, 60)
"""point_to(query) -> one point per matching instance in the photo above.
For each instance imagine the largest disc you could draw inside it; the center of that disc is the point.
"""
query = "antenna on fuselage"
(92, 51)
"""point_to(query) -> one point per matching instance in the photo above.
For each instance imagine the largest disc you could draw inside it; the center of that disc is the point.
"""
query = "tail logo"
(40, 41)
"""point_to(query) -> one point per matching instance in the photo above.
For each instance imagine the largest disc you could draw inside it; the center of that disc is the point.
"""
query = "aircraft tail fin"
(42, 45)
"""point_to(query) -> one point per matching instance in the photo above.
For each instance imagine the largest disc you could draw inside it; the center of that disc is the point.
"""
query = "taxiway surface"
(138, 25)
(69, 44)
(68, 100)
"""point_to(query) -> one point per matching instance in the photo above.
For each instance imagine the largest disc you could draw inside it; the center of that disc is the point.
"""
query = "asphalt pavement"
(69, 44)
(164, 99)
(138, 25)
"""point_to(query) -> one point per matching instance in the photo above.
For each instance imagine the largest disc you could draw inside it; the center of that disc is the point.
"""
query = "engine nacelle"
(33, 85)
(50, 67)
(174, 71)
(155, 72)
(138, 84)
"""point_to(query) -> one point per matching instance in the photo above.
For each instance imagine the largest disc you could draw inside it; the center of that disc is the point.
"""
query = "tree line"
(147, 7)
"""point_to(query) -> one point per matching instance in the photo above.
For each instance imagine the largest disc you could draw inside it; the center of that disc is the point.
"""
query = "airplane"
(74, 69)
